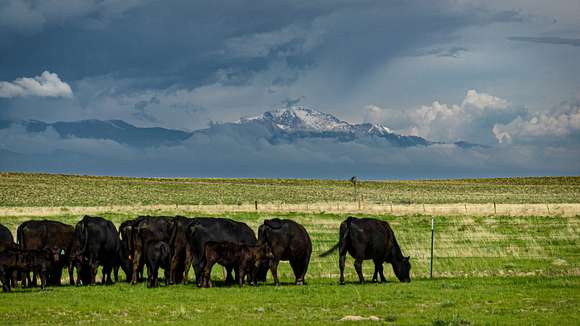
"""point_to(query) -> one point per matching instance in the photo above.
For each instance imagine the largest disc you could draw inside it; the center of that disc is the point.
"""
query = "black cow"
(6, 239)
(143, 230)
(40, 234)
(157, 254)
(201, 230)
(243, 259)
(181, 252)
(96, 243)
(288, 241)
(368, 238)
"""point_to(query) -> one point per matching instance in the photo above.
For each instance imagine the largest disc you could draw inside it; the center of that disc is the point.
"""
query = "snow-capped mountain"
(299, 118)
(286, 125)
(298, 122)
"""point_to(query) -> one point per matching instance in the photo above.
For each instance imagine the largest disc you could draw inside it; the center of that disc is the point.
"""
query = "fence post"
(432, 238)
(256, 204)
(494, 209)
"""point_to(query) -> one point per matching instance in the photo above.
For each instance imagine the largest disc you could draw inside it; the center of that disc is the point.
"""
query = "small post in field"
(548, 207)
(494, 209)
(465, 204)
(432, 238)
(256, 204)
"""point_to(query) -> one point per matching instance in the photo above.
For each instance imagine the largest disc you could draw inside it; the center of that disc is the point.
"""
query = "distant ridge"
(284, 125)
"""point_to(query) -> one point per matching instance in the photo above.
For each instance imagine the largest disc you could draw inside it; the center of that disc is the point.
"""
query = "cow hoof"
(300, 283)
(341, 282)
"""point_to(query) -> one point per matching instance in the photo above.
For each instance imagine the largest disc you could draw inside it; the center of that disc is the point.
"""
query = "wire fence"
(472, 246)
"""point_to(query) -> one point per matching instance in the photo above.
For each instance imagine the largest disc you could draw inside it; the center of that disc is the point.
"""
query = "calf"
(41, 262)
(157, 254)
(10, 261)
(243, 259)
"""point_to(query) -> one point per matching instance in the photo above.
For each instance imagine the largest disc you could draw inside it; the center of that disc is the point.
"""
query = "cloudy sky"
(505, 74)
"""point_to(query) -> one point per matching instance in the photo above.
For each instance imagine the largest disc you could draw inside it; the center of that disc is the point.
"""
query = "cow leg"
(107, 270)
(71, 271)
(383, 279)
(5, 282)
(229, 278)
(136, 265)
(197, 270)
(116, 273)
(94, 266)
(173, 268)
(241, 278)
(358, 268)
(205, 279)
(299, 268)
(187, 265)
(376, 272)
(274, 270)
(43, 279)
(341, 261)
(166, 274)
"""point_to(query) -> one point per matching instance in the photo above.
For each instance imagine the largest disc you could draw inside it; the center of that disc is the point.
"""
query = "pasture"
(488, 269)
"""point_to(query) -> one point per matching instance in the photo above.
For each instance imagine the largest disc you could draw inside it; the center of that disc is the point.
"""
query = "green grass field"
(496, 270)
(488, 270)
(32, 190)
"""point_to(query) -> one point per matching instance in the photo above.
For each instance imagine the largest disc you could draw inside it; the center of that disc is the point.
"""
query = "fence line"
(457, 209)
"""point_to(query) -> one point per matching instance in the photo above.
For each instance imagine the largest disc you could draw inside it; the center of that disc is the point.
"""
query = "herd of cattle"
(175, 244)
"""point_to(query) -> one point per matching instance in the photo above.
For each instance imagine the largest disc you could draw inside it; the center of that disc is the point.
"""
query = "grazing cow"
(6, 239)
(181, 252)
(243, 259)
(157, 254)
(96, 242)
(368, 238)
(143, 230)
(36, 235)
(288, 241)
(201, 230)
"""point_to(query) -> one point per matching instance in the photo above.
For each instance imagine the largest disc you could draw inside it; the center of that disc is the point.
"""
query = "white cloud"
(468, 121)
(561, 121)
(46, 85)
(482, 100)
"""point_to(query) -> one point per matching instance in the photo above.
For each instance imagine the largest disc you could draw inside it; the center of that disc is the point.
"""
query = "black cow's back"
(6, 238)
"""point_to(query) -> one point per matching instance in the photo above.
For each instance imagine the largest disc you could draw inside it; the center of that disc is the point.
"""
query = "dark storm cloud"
(547, 40)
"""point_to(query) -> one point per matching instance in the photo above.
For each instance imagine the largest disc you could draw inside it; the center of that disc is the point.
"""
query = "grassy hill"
(49, 190)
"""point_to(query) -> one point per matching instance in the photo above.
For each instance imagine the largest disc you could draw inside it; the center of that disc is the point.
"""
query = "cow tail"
(85, 236)
(172, 238)
(343, 237)
(329, 251)
(20, 236)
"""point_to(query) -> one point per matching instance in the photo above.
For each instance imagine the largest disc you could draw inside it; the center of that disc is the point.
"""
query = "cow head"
(53, 254)
(402, 269)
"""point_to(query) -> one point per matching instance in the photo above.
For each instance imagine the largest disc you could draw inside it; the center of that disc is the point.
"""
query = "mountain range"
(286, 125)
